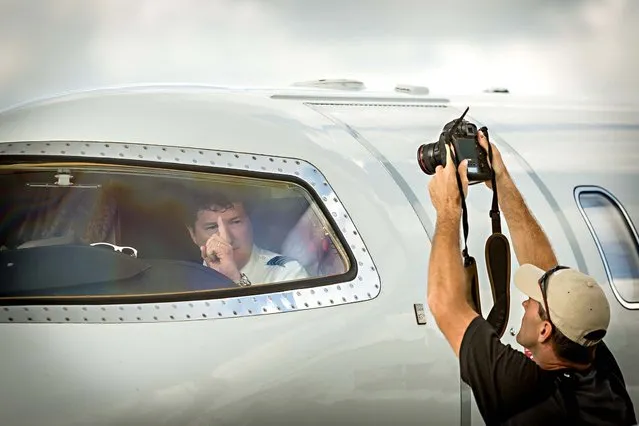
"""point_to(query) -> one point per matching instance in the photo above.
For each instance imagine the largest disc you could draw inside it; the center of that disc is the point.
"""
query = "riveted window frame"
(360, 283)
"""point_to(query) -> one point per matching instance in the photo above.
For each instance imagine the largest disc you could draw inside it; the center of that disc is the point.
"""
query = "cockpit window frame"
(360, 283)
(632, 230)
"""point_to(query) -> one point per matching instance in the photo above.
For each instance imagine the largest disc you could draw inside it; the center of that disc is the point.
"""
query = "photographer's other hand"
(497, 164)
(443, 188)
(218, 252)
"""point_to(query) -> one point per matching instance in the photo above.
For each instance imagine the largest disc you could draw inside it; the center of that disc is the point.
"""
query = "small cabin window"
(616, 239)
(86, 229)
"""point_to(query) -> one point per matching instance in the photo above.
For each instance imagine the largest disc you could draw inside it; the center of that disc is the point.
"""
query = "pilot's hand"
(497, 163)
(218, 252)
(443, 188)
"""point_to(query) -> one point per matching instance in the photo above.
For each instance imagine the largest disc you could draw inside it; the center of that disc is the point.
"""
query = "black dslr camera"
(462, 135)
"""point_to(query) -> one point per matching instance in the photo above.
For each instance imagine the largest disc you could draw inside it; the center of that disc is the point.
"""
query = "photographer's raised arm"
(530, 242)
(446, 278)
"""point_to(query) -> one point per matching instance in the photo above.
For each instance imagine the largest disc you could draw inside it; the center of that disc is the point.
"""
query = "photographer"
(573, 378)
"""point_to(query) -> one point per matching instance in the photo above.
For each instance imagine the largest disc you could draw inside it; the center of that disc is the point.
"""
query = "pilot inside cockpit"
(223, 231)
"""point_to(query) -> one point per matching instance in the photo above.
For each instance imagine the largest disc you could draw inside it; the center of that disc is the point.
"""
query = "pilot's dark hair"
(203, 199)
(565, 348)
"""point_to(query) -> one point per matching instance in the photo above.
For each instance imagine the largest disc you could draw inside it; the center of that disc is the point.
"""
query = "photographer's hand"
(444, 190)
(497, 164)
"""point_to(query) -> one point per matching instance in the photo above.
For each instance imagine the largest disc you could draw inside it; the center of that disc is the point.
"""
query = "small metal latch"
(64, 177)
(419, 313)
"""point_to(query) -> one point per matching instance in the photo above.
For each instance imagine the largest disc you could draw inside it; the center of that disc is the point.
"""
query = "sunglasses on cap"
(125, 250)
(543, 284)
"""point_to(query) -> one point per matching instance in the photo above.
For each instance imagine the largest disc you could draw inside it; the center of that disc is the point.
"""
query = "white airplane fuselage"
(337, 361)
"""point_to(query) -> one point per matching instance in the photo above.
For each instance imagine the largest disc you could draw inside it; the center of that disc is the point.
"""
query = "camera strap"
(470, 266)
(497, 252)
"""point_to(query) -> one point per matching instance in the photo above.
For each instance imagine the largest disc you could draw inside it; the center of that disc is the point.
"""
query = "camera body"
(462, 136)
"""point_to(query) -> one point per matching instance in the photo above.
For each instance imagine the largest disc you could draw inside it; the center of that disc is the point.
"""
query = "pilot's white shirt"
(265, 266)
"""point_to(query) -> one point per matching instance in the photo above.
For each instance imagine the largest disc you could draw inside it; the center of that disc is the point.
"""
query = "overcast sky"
(546, 47)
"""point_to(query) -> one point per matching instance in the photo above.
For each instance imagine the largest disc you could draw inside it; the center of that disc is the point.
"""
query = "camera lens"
(428, 157)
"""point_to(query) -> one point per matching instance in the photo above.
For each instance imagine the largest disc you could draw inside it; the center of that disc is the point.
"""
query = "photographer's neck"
(546, 359)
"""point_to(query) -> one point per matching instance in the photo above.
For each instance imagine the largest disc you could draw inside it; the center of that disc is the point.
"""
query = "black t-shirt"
(511, 389)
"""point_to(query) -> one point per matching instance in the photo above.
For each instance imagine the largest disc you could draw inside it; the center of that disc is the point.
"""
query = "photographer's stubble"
(225, 238)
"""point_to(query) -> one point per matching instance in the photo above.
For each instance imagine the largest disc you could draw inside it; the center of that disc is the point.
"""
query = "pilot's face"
(531, 325)
(238, 228)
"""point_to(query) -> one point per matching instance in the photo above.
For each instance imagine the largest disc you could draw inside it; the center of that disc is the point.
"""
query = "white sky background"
(570, 48)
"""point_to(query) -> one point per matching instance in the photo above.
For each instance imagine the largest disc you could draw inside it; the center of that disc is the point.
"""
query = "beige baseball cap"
(577, 304)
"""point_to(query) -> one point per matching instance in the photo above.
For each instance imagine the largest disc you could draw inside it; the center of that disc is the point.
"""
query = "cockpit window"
(99, 230)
